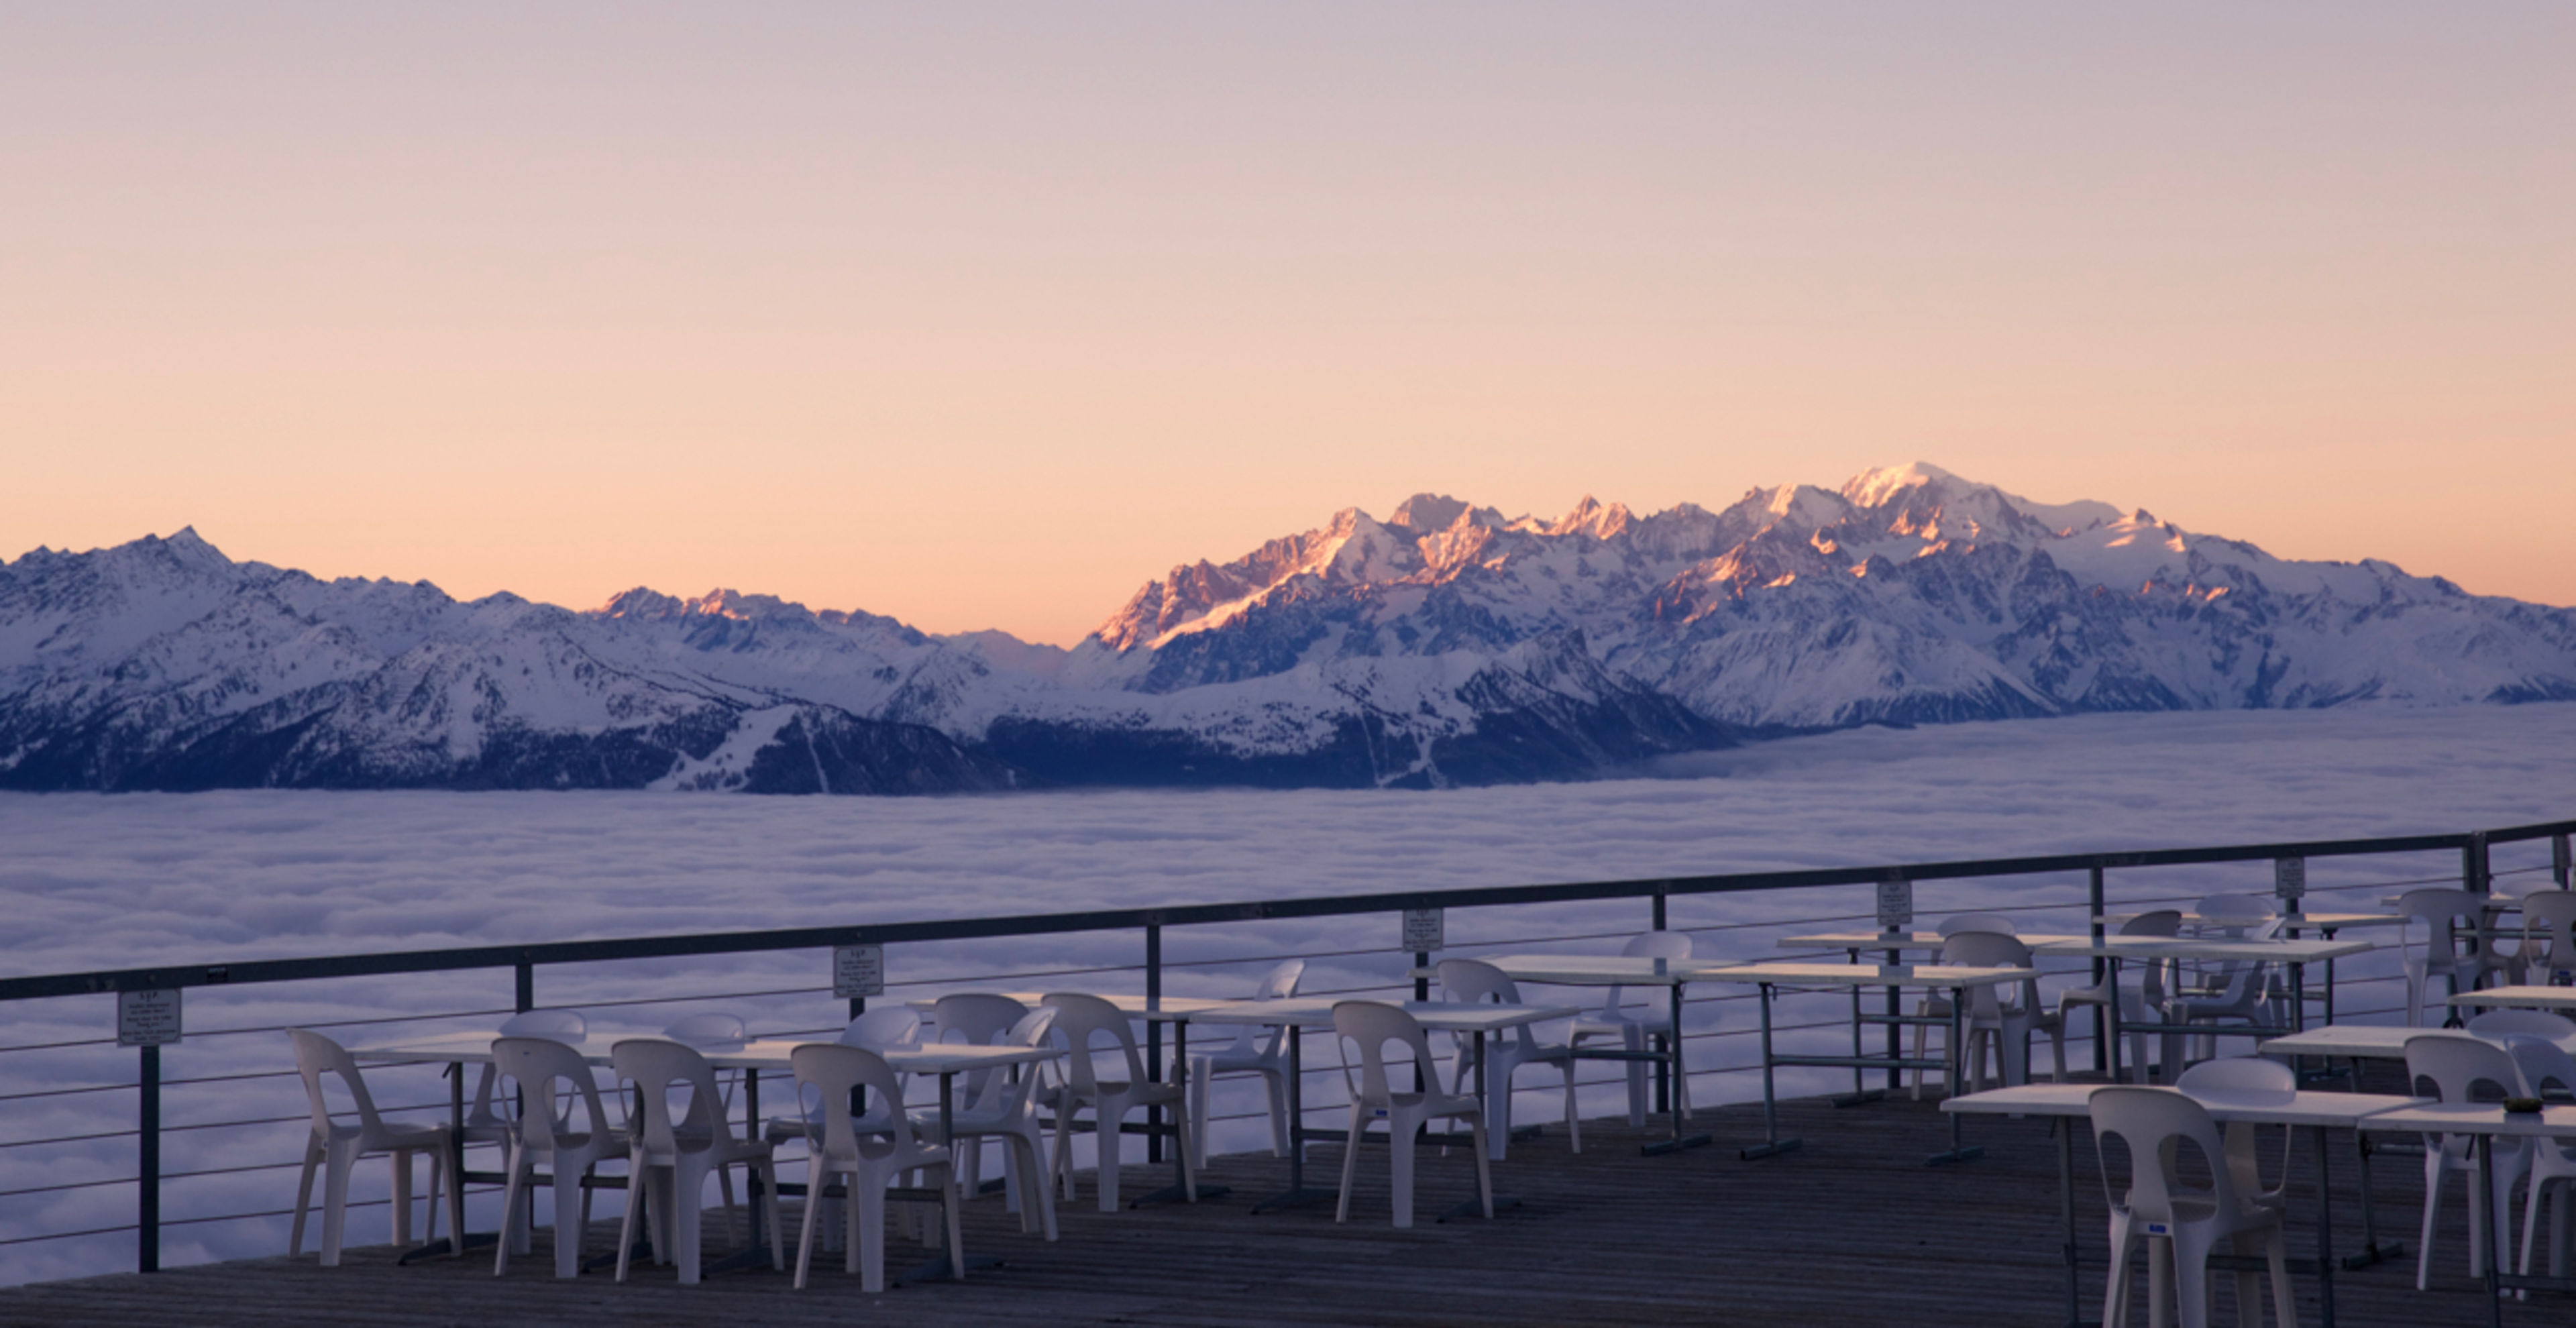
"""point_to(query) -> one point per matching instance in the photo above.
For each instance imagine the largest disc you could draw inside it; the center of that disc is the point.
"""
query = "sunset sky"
(981, 315)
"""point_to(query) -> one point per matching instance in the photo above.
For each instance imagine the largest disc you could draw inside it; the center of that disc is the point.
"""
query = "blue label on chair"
(2159, 1229)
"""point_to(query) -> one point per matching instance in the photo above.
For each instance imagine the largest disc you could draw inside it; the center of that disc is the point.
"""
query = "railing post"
(2473, 864)
(527, 993)
(147, 1185)
(2559, 864)
(2101, 1026)
(1659, 911)
(1153, 1052)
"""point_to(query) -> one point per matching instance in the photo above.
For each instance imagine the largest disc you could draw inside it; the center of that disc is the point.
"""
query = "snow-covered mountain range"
(1444, 644)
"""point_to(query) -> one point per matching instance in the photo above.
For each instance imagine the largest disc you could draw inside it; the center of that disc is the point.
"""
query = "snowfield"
(116, 881)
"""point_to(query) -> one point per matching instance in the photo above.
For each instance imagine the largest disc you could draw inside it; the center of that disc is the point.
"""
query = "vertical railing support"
(527, 993)
(1659, 911)
(2474, 876)
(147, 1184)
(1153, 1051)
(2560, 865)
(2101, 1025)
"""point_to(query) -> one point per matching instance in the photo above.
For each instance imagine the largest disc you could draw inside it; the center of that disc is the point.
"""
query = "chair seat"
(1618, 1022)
(1239, 1060)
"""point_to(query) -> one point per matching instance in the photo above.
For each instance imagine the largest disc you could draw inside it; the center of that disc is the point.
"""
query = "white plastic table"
(1296, 1014)
(1895, 945)
(945, 1060)
(2521, 997)
(2489, 1122)
(1957, 979)
(2065, 1103)
(2296, 954)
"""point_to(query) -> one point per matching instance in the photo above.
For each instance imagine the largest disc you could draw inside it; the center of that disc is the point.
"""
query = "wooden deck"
(1855, 1226)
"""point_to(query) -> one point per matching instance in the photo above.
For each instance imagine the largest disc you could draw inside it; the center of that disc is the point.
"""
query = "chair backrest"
(1007, 1092)
(2543, 1064)
(2160, 922)
(2549, 935)
(881, 1029)
(2157, 1124)
(1959, 922)
(561, 1025)
(1086, 1022)
(1990, 949)
(2231, 914)
(655, 1066)
(976, 1017)
(832, 1070)
(2530, 1023)
(1474, 981)
(1371, 1026)
(1280, 983)
(2443, 913)
(708, 1030)
(541, 1066)
(2239, 1076)
(2461, 1067)
(1649, 945)
(316, 1056)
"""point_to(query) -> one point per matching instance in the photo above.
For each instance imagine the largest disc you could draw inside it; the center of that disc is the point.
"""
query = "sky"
(982, 315)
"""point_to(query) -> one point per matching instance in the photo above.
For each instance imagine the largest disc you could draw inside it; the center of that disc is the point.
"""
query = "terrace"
(1854, 1221)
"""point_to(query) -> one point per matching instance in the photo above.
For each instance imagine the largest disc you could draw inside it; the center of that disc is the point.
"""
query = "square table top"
(2305, 1107)
(1163, 1009)
(2305, 921)
(758, 1054)
(2478, 1118)
(2385, 1042)
(2527, 997)
(2208, 948)
(1904, 940)
(1579, 970)
(1870, 975)
(1437, 1016)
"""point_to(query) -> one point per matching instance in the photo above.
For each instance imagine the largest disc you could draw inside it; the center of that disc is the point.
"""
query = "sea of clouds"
(127, 881)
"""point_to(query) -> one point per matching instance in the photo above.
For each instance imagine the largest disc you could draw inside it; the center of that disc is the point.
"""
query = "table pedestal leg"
(1861, 1093)
(1180, 1190)
(1484, 1090)
(1673, 1073)
(1958, 1152)
(1772, 1144)
(2371, 1250)
(1296, 1195)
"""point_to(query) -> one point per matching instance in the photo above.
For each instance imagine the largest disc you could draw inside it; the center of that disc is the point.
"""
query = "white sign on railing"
(147, 1018)
(1422, 930)
(858, 971)
(2289, 877)
(1895, 904)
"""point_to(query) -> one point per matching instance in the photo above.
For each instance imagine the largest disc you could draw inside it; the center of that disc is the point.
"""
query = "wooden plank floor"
(1855, 1226)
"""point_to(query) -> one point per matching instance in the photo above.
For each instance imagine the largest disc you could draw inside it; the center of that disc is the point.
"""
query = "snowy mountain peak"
(1882, 485)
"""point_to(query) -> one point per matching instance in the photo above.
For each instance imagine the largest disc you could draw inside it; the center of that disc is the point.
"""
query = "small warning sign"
(1422, 930)
(147, 1018)
(858, 971)
(1895, 904)
(2289, 877)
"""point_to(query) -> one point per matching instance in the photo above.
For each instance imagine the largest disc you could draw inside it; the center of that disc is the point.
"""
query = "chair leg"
(1399, 1164)
(637, 1195)
(303, 1197)
(1276, 1087)
(1199, 1104)
(1633, 1038)
(572, 1214)
(1108, 1142)
(1189, 1159)
(1350, 1161)
(335, 1203)
(1484, 1171)
(2160, 1282)
(777, 1232)
(2434, 1172)
(2115, 1287)
(954, 1196)
(869, 1235)
(1573, 1115)
(401, 1161)
(2285, 1304)
(814, 1201)
(511, 1198)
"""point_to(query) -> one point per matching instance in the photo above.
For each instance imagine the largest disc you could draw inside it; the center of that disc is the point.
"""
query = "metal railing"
(2475, 871)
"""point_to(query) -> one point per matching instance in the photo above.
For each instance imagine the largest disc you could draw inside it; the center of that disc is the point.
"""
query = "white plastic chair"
(2447, 917)
(335, 1148)
(487, 1121)
(2247, 992)
(2497, 1025)
(2007, 1025)
(2546, 1066)
(546, 1132)
(1371, 1026)
(2240, 1079)
(1006, 1109)
(669, 1159)
(1254, 1051)
(1472, 981)
(2182, 1224)
(879, 1030)
(1086, 1022)
(2142, 990)
(1634, 1025)
(978, 1019)
(1936, 1005)
(2549, 937)
(2459, 1066)
(827, 1075)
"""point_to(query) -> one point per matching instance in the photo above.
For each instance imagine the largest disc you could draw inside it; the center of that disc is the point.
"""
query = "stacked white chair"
(2142, 990)
(2448, 920)
(2549, 937)
(669, 1159)
(2547, 1070)
(1936, 1005)
(1257, 1051)
(977, 1019)
(1474, 981)
(2462, 1067)
(2242, 992)
(879, 1030)
(1371, 1027)
(1087, 1023)
(1993, 1020)
(550, 1130)
(334, 1148)
(486, 1121)
(1635, 1025)
(2181, 1223)
(1006, 1109)
(869, 1161)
